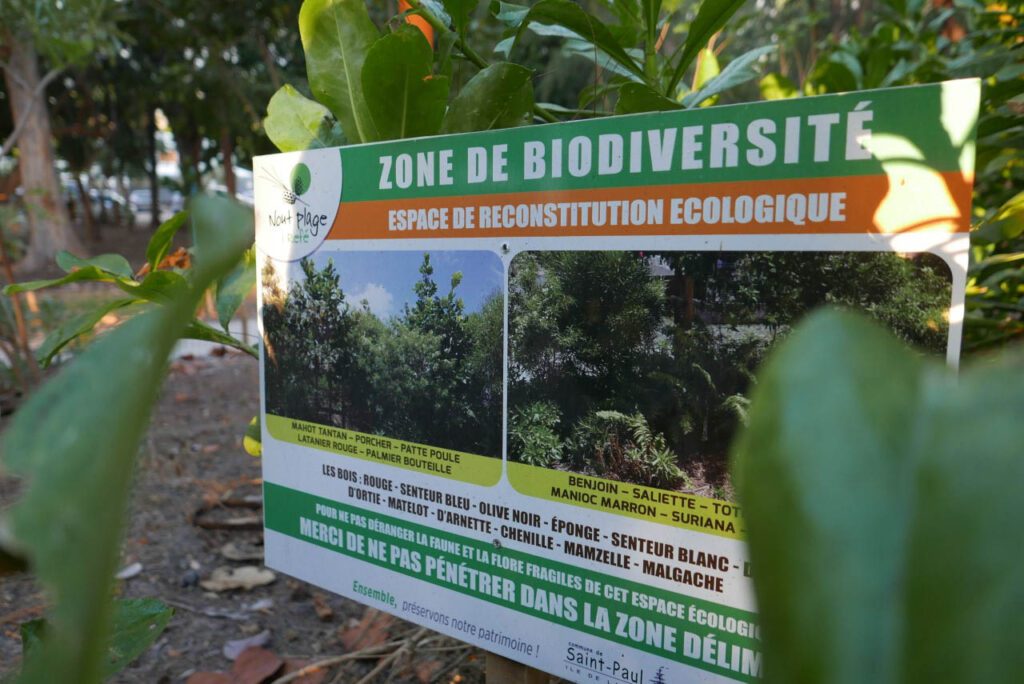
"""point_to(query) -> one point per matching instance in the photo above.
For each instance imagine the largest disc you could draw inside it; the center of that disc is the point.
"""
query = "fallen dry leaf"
(254, 665)
(371, 630)
(426, 670)
(244, 578)
(209, 678)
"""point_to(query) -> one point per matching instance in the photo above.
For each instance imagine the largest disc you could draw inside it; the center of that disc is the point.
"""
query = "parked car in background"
(170, 200)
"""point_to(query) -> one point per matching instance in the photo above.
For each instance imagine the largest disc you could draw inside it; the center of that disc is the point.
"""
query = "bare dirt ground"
(192, 462)
(195, 508)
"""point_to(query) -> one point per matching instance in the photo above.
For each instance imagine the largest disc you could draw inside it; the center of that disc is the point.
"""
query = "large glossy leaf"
(711, 17)
(160, 243)
(500, 96)
(639, 97)
(295, 123)
(405, 99)
(74, 442)
(738, 71)
(878, 494)
(571, 16)
(336, 35)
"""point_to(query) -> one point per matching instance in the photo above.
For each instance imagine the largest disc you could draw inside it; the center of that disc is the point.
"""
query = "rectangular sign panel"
(501, 370)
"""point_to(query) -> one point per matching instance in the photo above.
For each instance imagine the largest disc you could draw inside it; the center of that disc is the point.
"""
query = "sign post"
(501, 370)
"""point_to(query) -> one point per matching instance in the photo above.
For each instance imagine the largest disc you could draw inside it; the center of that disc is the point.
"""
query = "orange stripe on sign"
(882, 204)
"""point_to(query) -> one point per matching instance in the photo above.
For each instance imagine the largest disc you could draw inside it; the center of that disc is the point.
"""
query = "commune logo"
(297, 199)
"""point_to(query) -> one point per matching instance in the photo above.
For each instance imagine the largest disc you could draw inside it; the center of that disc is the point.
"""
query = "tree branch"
(27, 114)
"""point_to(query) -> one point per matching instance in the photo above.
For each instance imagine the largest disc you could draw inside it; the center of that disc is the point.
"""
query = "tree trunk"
(91, 231)
(51, 229)
(227, 154)
(154, 181)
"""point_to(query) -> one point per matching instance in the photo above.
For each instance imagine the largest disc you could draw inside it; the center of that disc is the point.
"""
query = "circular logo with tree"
(297, 197)
(298, 182)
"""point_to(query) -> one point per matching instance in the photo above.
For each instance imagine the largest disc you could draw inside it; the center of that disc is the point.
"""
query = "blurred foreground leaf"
(136, 624)
(882, 506)
(74, 441)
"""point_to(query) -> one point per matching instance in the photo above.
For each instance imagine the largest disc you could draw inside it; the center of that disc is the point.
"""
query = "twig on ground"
(407, 647)
(368, 652)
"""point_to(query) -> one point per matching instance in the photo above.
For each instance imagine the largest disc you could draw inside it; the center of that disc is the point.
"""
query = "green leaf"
(738, 71)
(252, 440)
(460, 11)
(135, 626)
(31, 632)
(336, 35)
(1006, 224)
(510, 14)
(639, 97)
(157, 286)
(160, 243)
(295, 123)
(235, 287)
(711, 17)
(404, 98)
(500, 96)
(871, 479)
(197, 330)
(114, 264)
(75, 328)
(571, 16)
(235, 219)
(87, 273)
(840, 72)
(74, 442)
(651, 10)
(136, 623)
(707, 68)
(777, 87)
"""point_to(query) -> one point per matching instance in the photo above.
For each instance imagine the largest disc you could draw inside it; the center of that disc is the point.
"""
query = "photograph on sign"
(636, 366)
(501, 371)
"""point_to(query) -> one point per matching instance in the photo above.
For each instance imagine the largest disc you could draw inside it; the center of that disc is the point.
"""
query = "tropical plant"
(532, 438)
(877, 555)
(98, 408)
(924, 42)
(622, 447)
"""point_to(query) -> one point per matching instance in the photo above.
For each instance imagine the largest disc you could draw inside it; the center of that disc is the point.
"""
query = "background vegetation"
(431, 374)
(638, 366)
